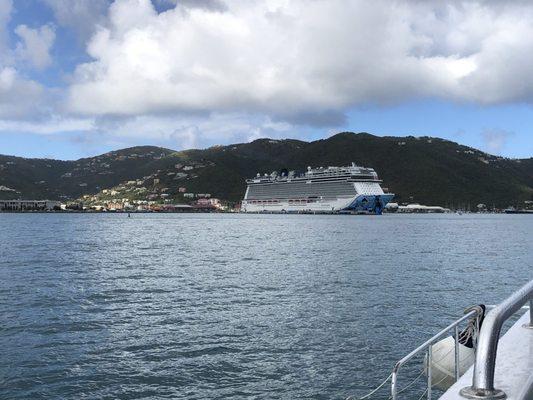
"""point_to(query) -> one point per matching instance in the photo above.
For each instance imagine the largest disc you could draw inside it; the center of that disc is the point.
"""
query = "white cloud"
(191, 131)
(176, 132)
(208, 71)
(26, 105)
(6, 7)
(496, 139)
(35, 45)
(295, 59)
(53, 125)
(83, 16)
(218, 5)
(19, 97)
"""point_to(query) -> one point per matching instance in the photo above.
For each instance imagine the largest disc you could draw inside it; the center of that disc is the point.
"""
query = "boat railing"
(487, 346)
(427, 346)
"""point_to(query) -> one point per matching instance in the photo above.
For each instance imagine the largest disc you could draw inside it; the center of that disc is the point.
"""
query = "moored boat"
(329, 190)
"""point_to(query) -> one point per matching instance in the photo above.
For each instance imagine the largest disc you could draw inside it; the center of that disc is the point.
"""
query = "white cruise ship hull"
(330, 190)
(359, 203)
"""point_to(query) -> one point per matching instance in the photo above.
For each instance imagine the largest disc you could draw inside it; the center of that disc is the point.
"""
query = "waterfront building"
(205, 203)
(419, 208)
(29, 205)
(115, 206)
(176, 207)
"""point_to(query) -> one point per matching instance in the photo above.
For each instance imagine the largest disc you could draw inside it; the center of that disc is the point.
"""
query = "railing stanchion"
(394, 382)
(531, 313)
(487, 345)
(430, 356)
(456, 369)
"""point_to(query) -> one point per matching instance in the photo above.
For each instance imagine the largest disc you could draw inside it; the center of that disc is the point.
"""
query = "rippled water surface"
(237, 306)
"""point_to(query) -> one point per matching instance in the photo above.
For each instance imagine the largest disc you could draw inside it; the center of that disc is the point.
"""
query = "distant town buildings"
(29, 205)
(205, 203)
(115, 206)
(6, 189)
(415, 208)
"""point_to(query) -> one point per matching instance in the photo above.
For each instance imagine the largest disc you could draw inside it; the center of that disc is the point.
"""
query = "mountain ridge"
(421, 169)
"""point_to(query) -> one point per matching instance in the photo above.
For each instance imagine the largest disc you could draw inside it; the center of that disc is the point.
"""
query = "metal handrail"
(427, 344)
(483, 378)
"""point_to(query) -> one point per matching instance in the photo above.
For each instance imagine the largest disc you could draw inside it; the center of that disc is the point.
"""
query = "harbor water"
(222, 306)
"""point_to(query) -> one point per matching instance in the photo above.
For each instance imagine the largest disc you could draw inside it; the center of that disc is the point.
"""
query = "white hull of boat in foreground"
(514, 365)
(503, 366)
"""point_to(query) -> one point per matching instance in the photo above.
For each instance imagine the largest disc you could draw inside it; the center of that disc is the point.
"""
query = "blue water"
(192, 306)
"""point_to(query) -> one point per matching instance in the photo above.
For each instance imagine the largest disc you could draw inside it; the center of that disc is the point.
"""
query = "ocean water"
(219, 306)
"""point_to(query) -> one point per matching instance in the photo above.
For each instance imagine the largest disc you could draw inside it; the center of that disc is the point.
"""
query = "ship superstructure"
(332, 189)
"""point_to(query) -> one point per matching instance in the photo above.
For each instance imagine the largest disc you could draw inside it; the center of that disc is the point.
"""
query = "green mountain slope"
(58, 180)
(426, 170)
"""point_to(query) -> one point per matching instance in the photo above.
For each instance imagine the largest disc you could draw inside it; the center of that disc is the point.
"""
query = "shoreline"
(251, 213)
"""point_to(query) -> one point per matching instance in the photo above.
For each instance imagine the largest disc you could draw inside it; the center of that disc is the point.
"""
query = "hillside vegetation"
(425, 170)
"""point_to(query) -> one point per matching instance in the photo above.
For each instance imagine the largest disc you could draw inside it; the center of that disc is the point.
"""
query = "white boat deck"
(514, 365)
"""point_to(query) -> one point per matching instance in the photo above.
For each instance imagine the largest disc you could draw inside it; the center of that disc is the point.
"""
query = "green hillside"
(424, 169)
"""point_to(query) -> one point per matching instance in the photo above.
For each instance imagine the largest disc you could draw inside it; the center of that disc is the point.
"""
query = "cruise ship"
(333, 189)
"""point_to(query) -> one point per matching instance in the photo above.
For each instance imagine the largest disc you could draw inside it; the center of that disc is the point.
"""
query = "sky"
(82, 77)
